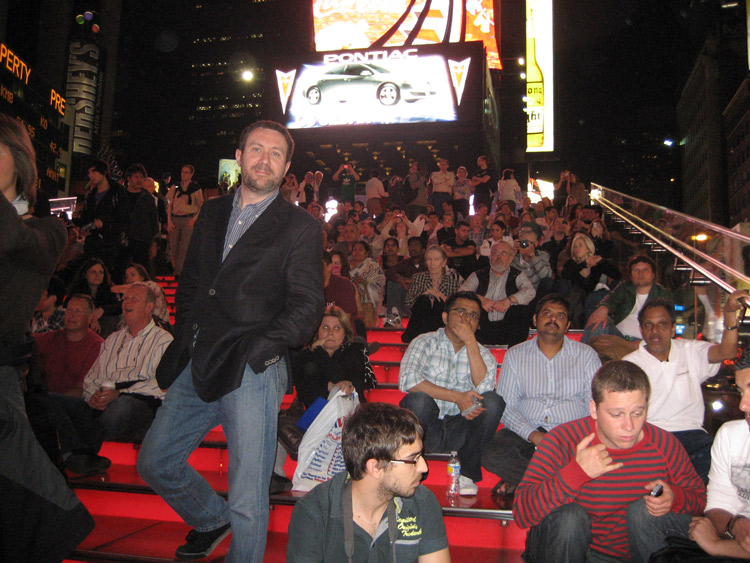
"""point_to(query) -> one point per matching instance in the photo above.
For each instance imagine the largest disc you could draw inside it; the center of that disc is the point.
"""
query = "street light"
(247, 75)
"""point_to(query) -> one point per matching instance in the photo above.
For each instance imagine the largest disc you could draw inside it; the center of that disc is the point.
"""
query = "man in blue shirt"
(544, 382)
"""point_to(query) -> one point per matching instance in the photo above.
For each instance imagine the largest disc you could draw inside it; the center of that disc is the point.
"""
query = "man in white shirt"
(725, 529)
(375, 192)
(676, 370)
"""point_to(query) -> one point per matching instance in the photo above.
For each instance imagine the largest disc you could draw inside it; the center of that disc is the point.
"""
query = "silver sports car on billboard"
(348, 82)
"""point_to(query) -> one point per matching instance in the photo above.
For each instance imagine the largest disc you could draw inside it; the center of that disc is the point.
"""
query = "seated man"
(505, 294)
(68, 354)
(450, 381)
(725, 529)
(532, 261)
(544, 382)
(49, 314)
(676, 370)
(617, 314)
(120, 393)
(586, 494)
(399, 276)
(391, 516)
(461, 250)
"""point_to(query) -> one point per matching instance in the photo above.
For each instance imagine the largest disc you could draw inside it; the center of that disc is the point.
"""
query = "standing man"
(144, 216)
(252, 288)
(375, 192)
(586, 492)
(676, 370)
(441, 184)
(184, 203)
(544, 382)
(392, 517)
(349, 178)
(450, 379)
(483, 181)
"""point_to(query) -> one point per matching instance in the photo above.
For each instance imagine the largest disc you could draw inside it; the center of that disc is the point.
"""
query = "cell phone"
(476, 403)
(657, 491)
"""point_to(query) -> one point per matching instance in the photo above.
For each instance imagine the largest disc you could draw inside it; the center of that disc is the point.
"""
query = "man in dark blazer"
(251, 287)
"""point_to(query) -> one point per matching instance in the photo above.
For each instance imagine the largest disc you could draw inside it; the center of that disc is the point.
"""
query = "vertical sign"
(539, 97)
(82, 89)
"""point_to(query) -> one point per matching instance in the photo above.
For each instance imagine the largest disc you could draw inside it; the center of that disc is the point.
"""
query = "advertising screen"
(358, 24)
(539, 77)
(426, 84)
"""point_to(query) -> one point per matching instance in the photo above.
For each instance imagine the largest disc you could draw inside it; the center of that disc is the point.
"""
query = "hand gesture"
(502, 305)
(593, 261)
(594, 460)
(661, 505)
(464, 331)
(101, 399)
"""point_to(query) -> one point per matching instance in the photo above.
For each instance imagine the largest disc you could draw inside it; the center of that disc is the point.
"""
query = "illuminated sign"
(379, 86)
(539, 77)
(359, 24)
(82, 87)
(25, 95)
(12, 63)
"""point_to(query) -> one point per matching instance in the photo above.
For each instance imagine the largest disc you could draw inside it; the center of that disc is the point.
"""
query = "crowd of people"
(605, 460)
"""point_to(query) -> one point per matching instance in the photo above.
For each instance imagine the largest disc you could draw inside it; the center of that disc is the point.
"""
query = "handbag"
(319, 456)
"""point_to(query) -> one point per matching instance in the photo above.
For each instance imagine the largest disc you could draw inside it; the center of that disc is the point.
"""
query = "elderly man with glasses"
(450, 379)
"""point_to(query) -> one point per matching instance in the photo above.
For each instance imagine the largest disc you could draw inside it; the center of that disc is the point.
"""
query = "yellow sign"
(539, 77)
(14, 64)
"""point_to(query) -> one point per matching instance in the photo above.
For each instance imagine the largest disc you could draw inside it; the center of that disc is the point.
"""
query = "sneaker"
(201, 544)
(394, 320)
(467, 487)
(87, 464)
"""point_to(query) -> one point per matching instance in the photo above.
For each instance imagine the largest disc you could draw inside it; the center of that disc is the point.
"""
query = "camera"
(524, 243)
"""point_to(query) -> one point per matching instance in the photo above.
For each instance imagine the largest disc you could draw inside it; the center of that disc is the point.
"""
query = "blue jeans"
(697, 444)
(467, 437)
(248, 416)
(564, 535)
(607, 328)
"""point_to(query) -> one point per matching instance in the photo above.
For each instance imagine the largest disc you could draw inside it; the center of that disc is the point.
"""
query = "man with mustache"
(544, 382)
(676, 370)
(252, 287)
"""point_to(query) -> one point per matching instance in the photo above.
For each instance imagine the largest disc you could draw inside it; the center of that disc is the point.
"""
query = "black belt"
(188, 215)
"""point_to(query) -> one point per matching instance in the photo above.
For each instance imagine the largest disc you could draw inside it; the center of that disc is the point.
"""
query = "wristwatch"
(729, 532)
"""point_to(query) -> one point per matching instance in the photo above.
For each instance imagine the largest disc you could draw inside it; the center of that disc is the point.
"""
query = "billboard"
(539, 77)
(359, 24)
(426, 84)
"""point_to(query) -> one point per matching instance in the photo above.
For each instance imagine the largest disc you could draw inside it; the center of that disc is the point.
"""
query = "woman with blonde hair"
(590, 277)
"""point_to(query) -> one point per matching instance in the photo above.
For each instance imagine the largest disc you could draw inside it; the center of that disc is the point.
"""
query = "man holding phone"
(450, 379)
(349, 178)
(590, 492)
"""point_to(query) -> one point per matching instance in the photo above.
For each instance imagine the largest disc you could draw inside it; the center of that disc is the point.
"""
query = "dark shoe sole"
(182, 556)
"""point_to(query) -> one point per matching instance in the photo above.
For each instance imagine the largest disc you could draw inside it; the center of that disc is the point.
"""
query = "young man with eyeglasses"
(450, 379)
(544, 382)
(376, 510)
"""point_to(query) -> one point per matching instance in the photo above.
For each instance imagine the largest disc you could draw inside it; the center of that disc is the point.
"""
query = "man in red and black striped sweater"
(586, 493)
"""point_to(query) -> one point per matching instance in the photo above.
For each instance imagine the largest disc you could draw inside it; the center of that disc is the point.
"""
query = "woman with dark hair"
(370, 281)
(588, 274)
(428, 292)
(332, 358)
(390, 256)
(93, 279)
(340, 264)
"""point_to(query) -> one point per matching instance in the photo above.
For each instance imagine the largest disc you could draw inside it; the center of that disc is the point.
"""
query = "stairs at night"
(134, 524)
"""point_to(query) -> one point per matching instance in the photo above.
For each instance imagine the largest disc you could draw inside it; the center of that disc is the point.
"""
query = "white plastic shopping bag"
(319, 457)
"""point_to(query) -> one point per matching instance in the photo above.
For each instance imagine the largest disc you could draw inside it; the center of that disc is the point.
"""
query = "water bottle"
(454, 472)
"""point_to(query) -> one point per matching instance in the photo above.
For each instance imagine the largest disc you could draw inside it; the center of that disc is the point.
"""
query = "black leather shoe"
(201, 544)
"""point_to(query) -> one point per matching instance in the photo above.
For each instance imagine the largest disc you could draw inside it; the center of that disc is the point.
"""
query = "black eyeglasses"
(414, 461)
